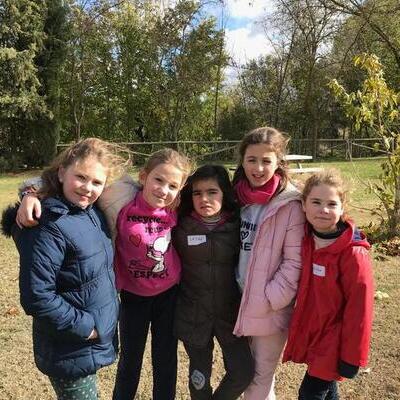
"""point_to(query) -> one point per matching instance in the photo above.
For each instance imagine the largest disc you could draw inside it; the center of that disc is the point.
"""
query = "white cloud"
(244, 44)
(244, 36)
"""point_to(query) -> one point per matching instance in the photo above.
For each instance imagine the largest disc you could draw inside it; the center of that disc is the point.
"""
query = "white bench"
(300, 170)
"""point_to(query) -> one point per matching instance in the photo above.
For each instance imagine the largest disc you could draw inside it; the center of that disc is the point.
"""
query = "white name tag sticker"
(195, 240)
(318, 270)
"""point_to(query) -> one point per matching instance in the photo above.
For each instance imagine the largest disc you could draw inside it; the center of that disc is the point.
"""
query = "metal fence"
(226, 150)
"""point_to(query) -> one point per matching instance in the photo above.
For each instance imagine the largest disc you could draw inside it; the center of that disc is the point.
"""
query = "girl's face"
(207, 197)
(161, 185)
(83, 182)
(259, 164)
(323, 208)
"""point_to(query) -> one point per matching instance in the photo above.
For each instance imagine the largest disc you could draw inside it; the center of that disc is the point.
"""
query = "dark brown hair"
(205, 172)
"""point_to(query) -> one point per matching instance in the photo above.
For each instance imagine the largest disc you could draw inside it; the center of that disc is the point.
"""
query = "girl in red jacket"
(331, 326)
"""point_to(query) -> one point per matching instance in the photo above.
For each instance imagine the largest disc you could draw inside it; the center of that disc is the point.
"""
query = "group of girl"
(225, 264)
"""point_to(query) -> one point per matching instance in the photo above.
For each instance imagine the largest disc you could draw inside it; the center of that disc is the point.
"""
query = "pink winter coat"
(274, 268)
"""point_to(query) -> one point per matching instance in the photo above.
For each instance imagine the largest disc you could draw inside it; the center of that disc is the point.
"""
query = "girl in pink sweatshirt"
(148, 270)
(271, 230)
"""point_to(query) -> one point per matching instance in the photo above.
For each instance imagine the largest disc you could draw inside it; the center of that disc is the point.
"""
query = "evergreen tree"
(32, 37)
(41, 135)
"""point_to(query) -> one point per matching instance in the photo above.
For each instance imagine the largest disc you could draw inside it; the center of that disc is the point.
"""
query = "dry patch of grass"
(20, 380)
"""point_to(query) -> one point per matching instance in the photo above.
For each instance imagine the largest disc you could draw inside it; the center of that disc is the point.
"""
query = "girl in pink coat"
(331, 327)
(272, 227)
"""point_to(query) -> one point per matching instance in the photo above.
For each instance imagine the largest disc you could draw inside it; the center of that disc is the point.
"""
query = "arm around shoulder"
(115, 197)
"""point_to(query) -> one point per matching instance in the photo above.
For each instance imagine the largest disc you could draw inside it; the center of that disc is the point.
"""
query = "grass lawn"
(20, 380)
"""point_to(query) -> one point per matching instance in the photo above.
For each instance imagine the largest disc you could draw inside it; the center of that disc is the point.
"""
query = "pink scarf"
(259, 195)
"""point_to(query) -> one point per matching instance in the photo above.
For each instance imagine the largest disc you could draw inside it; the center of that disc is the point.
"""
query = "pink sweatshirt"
(146, 263)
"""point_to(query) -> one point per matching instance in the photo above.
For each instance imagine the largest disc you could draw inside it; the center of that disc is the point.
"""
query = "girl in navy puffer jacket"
(66, 271)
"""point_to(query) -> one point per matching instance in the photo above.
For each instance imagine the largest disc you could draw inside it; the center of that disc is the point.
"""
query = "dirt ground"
(20, 380)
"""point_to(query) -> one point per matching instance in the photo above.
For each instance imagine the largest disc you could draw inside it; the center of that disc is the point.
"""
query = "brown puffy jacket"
(209, 297)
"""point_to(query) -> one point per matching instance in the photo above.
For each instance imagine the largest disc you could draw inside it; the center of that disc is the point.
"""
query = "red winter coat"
(333, 312)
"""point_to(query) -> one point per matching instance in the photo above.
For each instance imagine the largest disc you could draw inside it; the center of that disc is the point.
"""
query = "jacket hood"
(55, 205)
(59, 205)
(290, 193)
(8, 225)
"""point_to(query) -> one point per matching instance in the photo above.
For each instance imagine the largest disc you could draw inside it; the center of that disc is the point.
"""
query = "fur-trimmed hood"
(8, 225)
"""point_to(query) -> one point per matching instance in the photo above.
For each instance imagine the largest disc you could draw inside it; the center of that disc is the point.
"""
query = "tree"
(381, 17)
(189, 62)
(21, 38)
(30, 56)
(376, 106)
(42, 134)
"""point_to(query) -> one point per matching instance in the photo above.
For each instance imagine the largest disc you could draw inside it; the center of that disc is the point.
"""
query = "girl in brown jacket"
(207, 240)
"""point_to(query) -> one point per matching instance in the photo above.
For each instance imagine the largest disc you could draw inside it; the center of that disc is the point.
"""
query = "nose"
(259, 166)
(325, 209)
(88, 186)
(164, 189)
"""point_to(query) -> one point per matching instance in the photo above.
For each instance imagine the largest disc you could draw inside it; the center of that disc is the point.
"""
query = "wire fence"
(226, 150)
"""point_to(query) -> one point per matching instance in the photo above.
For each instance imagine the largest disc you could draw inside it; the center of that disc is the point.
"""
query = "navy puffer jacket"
(67, 284)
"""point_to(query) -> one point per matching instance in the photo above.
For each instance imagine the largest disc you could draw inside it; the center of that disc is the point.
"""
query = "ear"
(303, 205)
(61, 173)
(142, 176)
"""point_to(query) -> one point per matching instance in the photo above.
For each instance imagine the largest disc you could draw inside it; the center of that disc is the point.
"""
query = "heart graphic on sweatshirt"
(244, 235)
(135, 239)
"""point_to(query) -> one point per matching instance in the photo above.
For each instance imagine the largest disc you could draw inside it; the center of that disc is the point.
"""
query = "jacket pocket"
(106, 319)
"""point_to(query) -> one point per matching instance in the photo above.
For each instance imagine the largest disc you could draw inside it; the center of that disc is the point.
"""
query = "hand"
(93, 335)
(29, 211)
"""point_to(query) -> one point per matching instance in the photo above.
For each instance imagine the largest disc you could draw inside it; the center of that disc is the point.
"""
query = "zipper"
(212, 271)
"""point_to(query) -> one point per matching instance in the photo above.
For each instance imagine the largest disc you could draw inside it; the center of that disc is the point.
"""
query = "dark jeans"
(137, 314)
(239, 366)
(313, 388)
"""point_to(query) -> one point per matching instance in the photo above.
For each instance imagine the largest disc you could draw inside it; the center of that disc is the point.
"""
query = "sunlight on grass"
(20, 380)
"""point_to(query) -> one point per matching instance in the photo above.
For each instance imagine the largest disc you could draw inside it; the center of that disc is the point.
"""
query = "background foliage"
(131, 70)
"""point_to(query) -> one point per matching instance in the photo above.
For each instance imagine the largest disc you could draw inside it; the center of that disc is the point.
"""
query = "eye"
(212, 191)
(195, 193)
(158, 179)
(98, 183)
(173, 187)
(81, 177)
(332, 204)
